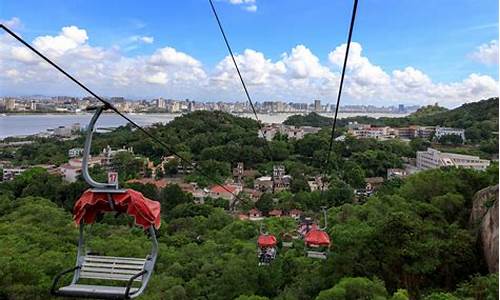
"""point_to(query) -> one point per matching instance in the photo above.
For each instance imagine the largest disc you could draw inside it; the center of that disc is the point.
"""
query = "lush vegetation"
(311, 119)
(412, 239)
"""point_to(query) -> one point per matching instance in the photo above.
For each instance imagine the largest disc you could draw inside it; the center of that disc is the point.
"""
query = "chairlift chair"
(107, 197)
(317, 241)
(267, 249)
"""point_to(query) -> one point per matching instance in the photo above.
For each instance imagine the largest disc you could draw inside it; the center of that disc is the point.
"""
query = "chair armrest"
(58, 277)
(131, 281)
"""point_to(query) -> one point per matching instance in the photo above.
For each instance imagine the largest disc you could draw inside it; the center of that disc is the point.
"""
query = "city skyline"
(297, 61)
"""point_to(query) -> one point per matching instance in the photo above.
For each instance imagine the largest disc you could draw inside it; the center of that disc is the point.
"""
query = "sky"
(403, 51)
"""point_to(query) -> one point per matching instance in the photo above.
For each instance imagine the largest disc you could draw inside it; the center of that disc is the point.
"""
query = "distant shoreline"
(180, 113)
(26, 124)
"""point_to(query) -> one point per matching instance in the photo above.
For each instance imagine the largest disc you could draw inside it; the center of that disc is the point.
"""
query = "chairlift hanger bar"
(108, 105)
(349, 37)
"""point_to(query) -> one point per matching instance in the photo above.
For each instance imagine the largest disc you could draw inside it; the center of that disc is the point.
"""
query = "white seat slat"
(86, 288)
(125, 262)
(110, 271)
(316, 254)
(108, 276)
(114, 258)
(111, 265)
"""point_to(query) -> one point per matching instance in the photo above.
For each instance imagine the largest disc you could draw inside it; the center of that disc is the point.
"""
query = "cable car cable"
(230, 50)
(332, 137)
(110, 106)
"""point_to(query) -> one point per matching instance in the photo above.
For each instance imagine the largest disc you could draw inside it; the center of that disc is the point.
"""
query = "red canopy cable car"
(267, 248)
(107, 197)
(317, 241)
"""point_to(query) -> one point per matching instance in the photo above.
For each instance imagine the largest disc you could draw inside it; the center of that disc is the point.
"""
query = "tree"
(299, 183)
(338, 194)
(171, 196)
(354, 288)
(127, 165)
(419, 144)
(451, 139)
(265, 203)
(354, 174)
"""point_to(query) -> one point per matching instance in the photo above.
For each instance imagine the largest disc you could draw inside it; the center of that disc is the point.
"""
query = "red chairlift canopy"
(146, 212)
(317, 237)
(267, 241)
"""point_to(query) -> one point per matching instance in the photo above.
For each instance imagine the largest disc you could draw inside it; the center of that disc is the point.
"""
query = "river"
(28, 124)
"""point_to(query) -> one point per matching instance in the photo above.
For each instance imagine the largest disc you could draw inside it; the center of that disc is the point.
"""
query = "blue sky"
(438, 37)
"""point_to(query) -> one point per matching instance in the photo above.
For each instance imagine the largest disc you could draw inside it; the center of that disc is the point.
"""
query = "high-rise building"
(33, 105)
(160, 103)
(317, 105)
(401, 108)
(10, 104)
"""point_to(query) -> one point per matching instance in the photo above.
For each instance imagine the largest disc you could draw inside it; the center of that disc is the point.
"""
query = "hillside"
(411, 239)
(479, 119)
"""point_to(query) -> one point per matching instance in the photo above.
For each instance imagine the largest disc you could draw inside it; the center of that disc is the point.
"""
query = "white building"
(75, 152)
(372, 132)
(71, 170)
(292, 132)
(11, 173)
(443, 131)
(433, 158)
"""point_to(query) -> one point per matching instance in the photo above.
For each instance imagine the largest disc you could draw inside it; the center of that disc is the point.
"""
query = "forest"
(412, 239)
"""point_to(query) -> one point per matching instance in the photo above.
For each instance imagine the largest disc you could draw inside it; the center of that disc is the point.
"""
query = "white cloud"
(486, 53)
(69, 38)
(248, 5)
(251, 8)
(12, 23)
(147, 39)
(298, 75)
(142, 39)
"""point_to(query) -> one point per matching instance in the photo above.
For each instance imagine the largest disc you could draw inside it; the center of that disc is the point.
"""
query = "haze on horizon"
(409, 53)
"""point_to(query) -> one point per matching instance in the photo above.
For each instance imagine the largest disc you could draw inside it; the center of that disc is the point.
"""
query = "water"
(22, 125)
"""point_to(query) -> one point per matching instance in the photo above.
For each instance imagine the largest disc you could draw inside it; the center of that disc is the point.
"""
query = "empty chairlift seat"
(110, 269)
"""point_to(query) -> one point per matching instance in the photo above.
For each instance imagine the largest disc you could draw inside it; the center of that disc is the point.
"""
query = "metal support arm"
(86, 152)
(56, 279)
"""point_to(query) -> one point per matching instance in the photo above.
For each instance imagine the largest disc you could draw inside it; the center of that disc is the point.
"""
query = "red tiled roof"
(219, 189)
(275, 212)
(254, 211)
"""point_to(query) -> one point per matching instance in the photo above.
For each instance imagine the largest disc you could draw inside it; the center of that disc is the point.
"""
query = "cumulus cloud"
(248, 5)
(141, 39)
(12, 23)
(69, 38)
(297, 75)
(486, 53)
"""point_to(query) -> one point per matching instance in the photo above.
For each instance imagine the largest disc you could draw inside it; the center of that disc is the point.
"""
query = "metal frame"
(96, 186)
(81, 254)
(146, 273)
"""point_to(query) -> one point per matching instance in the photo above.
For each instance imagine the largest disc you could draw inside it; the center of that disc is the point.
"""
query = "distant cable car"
(267, 249)
(317, 241)
(317, 244)
(107, 197)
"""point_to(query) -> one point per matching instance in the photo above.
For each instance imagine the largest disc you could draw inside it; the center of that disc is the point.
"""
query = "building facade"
(444, 131)
(433, 158)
